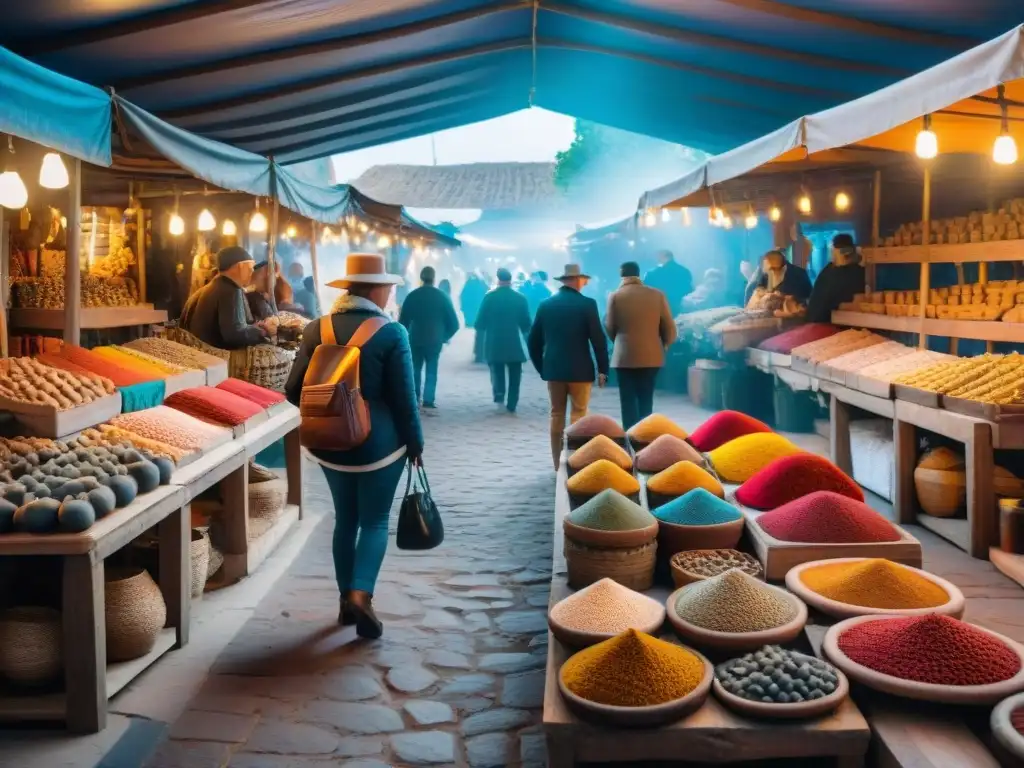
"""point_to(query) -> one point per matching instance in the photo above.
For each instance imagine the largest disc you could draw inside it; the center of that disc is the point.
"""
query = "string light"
(774, 213)
(686, 217)
(228, 228)
(206, 221)
(649, 220)
(52, 173)
(362, 226)
(727, 222)
(842, 201)
(384, 242)
(356, 240)
(665, 215)
(1004, 152)
(926, 146)
(176, 226)
(291, 231)
(804, 204)
(13, 193)
(258, 222)
(750, 222)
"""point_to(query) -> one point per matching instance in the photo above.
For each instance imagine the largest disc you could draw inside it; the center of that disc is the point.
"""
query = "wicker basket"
(268, 366)
(216, 561)
(200, 560)
(633, 567)
(30, 645)
(260, 474)
(941, 492)
(135, 614)
(266, 500)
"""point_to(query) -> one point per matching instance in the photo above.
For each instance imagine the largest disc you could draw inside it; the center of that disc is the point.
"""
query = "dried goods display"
(995, 379)
(694, 324)
(1005, 223)
(852, 362)
(594, 424)
(598, 448)
(650, 428)
(683, 477)
(108, 435)
(611, 511)
(734, 602)
(825, 517)
(29, 381)
(888, 370)
(257, 394)
(174, 353)
(874, 583)
(840, 344)
(91, 361)
(606, 607)
(723, 427)
(167, 425)
(167, 367)
(784, 343)
(214, 406)
(664, 452)
(602, 475)
(705, 563)
(48, 292)
(994, 300)
(131, 362)
(697, 507)
(791, 477)
(740, 459)
(775, 675)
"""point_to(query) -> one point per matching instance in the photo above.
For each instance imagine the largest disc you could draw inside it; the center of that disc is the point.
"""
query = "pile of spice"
(260, 395)
(724, 427)
(853, 362)
(166, 425)
(739, 460)
(602, 475)
(594, 424)
(649, 429)
(802, 334)
(939, 650)
(734, 602)
(825, 517)
(90, 361)
(890, 369)
(665, 451)
(775, 675)
(175, 353)
(697, 507)
(214, 406)
(169, 368)
(683, 477)
(606, 608)
(598, 448)
(130, 362)
(839, 344)
(611, 511)
(874, 583)
(794, 476)
(712, 562)
(633, 670)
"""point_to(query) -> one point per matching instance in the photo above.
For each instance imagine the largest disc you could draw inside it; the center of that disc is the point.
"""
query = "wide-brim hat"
(365, 269)
(572, 271)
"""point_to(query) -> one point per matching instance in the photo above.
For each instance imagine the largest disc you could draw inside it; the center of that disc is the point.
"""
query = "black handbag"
(419, 522)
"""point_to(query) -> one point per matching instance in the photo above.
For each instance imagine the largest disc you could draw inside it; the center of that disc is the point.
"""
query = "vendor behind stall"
(838, 282)
(258, 298)
(779, 276)
(218, 314)
(710, 294)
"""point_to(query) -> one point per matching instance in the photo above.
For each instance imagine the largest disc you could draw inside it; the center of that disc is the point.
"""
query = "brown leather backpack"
(334, 415)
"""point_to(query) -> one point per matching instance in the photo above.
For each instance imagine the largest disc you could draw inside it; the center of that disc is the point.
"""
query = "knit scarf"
(348, 303)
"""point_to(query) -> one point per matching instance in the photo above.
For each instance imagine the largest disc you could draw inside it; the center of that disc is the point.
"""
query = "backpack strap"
(327, 331)
(367, 329)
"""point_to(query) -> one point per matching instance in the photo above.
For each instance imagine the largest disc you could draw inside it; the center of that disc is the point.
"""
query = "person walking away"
(308, 299)
(445, 286)
(504, 320)
(565, 340)
(431, 321)
(218, 313)
(839, 281)
(363, 480)
(537, 291)
(470, 298)
(641, 327)
(671, 278)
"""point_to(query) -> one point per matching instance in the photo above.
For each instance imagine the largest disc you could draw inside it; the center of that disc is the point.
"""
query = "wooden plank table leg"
(235, 514)
(176, 570)
(293, 466)
(560, 751)
(85, 644)
(905, 455)
(839, 434)
(982, 514)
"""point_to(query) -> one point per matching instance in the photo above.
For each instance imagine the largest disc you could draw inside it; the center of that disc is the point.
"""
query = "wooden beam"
(926, 274)
(73, 258)
(314, 232)
(876, 213)
(5, 258)
(140, 244)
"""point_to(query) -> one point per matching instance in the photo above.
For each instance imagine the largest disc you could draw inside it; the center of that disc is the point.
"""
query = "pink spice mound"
(826, 517)
(791, 477)
(594, 424)
(664, 452)
(786, 342)
(939, 650)
(723, 427)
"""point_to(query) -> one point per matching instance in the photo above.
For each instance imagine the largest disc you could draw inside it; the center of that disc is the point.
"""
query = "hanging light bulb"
(804, 204)
(842, 201)
(12, 189)
(176, 226)
(727, 222)
(1004, 151)
(750, 222)
(774, 213)
(52, 173)
(384, 242)
(686, 217)
(291, 231)
(363, 227)
(404, 242)
(665, 215)
(927, 144)
(206, 221)
(228, 228)
(649, 219)
(356, 240)
(258, 222)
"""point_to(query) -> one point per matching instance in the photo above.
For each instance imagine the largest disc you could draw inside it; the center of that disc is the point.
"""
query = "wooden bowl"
(953, 607)
(803, 710)
(609, 539)
(673, 538)
(941, 492)
(577, 639)
(681, 576)
(642, 717)
(1008, 736)
(737, 641)
(977, 695)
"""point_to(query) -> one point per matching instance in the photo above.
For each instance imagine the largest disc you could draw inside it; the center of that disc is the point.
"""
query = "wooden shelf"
(997, 250)
(956, 530)
(121, 673)
(982, 330)
(92, 317)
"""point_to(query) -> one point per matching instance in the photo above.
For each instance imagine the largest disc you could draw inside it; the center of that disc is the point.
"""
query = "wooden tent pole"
(876, 212)
(926, 237)
(5, 260)
(140, 244)
(313, 237)
(73, 260)
(271, 248)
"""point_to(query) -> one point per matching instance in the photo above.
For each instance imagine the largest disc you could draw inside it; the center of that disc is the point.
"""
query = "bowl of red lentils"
(1007, 724)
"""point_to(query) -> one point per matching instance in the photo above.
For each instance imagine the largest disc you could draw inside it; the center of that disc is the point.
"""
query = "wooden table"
(841, 400)
(711, 734)
(89, 680)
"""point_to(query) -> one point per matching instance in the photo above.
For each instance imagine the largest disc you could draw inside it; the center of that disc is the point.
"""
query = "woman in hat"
(363, 480)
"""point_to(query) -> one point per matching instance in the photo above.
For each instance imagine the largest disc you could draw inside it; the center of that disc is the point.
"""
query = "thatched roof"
(488, 186)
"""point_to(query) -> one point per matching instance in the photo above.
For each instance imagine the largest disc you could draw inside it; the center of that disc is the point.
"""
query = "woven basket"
(941, 492)
(260, 474)
(30, 645)
(200, 561)
(633, 567)
(259, 526)
(216, 560)
(266, 500)
(135, 614)
(268, 366)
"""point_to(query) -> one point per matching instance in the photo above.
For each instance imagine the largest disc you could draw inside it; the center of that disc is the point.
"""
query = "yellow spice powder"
(740, 459)
(874, 583)
(598, 448)
(682, 477)
(649, 429)
(600, 476)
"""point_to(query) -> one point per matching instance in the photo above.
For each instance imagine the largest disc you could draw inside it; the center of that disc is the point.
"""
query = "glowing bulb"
(52, 173)
(842, 201)
(291, 231)
(774, 213)
(206, 221)
(649, 220)
(356, 240)
(1005, 150)
(176, 226)
(727, 222)
(751, 221)
(686, 217)
(665, 216)
(384, 242)
(804, 204)
(927, 144)
(258, 222)
(362, 226)
(228, 228)
(447, 252)
(12, 190)
(404, 242)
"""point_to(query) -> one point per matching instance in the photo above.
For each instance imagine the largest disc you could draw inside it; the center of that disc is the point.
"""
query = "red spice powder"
(594, 424)
(826, 517)
(214, 406)
(723, 427)
(252, 392)
(784, 343)
(930, 649)
(791, 477)
(90, 361)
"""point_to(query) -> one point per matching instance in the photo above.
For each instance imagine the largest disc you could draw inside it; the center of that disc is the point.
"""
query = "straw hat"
(365, 269)
(572, 271)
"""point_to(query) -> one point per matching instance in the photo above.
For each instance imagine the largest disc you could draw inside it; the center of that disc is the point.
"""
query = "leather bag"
(419, 523)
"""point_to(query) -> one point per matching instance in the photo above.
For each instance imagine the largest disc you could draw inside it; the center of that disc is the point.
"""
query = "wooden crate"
(44, 421)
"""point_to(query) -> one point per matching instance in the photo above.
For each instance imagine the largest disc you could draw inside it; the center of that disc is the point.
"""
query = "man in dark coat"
(470, 298)
(431, 321)
(218, 313)
(536, 291)
(839, 281)
(565, 340)
(671, 278)
(259, 299)
(504, 320)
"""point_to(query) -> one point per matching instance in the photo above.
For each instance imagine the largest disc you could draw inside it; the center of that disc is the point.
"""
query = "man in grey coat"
(640, 324)
(218, 313)
(504, 320)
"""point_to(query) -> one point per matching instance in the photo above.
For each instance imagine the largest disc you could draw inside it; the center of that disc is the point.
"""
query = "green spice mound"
(611, 511)
(698, 507)
(734, 602)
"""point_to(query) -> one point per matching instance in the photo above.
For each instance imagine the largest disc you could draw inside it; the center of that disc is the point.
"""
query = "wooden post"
(140, 244)
(926, 236)
(271, 248)
(73, 261)
(85, 642)
(313, 237)
(983, 280)
(839, 435)
(5, 258)
(175, 532)
(905, 450)
(876, 209)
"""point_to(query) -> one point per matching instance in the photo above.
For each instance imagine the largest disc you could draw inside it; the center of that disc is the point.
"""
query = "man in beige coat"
(640, 324)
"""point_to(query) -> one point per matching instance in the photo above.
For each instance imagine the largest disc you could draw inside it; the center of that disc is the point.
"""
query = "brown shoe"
(367, 623)
(346, 616)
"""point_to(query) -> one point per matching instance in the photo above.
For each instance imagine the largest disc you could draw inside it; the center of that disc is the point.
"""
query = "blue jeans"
(515, 376)
(362, 506)
(428, 356)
